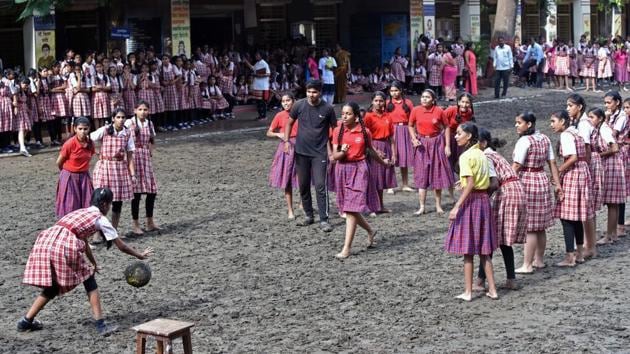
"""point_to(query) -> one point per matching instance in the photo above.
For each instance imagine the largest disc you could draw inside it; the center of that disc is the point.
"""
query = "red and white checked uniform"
(116, 98)
(157, 93)
(60, 105)
(241, 93)
(589, 63)
(202, 71)
(435, 69)
(111, 170)
(536, 185)
(509, 204)
(169, 92)
(129, 93)
(459, 51)
(43, 102)
(624, 148)
(143, 162)
(145, 91)
(100, 99)
(563, 65)
(6, 107)
(212, 63)
(58, 252)
(576, 185)
(597, 172)
(22, 118)
(614, 183)
(32, 105)
(81, 100)
(219, 102)
(206, 101)
(226, 78)
(183, 90)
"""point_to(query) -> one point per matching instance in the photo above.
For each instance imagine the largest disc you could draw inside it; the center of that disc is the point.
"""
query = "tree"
(505, 20)
(39, 7)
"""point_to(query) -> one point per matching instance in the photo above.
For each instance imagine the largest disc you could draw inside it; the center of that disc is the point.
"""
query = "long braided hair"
(356, 111)
(110, 128)
(470, 128)
(577, 100)
(528, 117)
(564, 116)
(599, 113)
(390, 104)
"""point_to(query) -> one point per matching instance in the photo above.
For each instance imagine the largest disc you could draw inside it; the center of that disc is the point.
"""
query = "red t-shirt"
(77, 157)
(450, 114)
(354, 138)
(398, 115)
(279, 123)
(428, 122)
(380, 126)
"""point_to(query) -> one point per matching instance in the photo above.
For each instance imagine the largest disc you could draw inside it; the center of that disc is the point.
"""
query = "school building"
(370, 29)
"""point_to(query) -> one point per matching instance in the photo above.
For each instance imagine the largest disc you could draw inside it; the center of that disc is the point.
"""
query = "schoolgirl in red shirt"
(379, 123)
(355, 192)
(455, 115)
(430, 135)
(74, 188)
(282, 174)
(144, 140)
(399, 108)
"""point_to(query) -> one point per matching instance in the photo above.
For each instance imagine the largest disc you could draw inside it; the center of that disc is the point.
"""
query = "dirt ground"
(251, 281)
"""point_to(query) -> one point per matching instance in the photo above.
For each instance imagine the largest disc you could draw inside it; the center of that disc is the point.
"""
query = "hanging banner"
(180, 27)
(44, 40)
(415, 22)
(551, 28)
(394, 34)
(428, 11)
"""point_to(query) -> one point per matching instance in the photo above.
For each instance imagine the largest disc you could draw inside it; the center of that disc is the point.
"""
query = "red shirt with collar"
(450, 114)
(77, 156)
(355, 140)
(380, 126)
(398, 115)
(279, 123)
(428, 122)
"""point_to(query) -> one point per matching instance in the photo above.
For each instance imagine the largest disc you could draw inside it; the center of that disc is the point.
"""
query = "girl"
(471, 67)
(60, 105)
(618, 121)
(604, 70)
(100, 97)
(183, 92)
(614, 182)
(374, 81)
(573, 63)
(419, 77)
(471, 231)
(435, 64)
(6, 115)
(620, 58)
(144, 141)
(589, 65)
(225, 81)
(563, 66)
(116, 98)
(22, 120)
(449, 74)
(156, 89)
(576, 107)
(531, 152)
(145, 91)
(241, 92)
(355, 193)
(509, 207)
(207, 105)
(455, 115)
(282, 174)
(379, 124)
(57, 265)
(115, 168)
(81, 86)
(74, 188)
(169, 80)
(219, 102)
(44, 105)
(430, 135)
(387, 78)
(399, 108)
(573, 207)
(129, 82)
(398, 63)
(33, 94)
(194, 95)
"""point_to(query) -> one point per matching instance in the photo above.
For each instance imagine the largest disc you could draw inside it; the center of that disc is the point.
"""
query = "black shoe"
(26, 325)
(306, 222)
(325, 226)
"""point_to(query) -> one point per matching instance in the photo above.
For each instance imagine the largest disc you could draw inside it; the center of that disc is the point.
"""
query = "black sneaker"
(306, 222)
(26, 325)
(325, 226)
(105, 329)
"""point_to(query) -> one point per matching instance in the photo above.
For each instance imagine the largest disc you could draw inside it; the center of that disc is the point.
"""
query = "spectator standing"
(341, 74)
(260, 87)
(326, 65)
(503, 63)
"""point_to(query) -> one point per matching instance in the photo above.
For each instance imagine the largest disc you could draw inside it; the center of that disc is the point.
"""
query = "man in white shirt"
(503, 63)
(326, 65)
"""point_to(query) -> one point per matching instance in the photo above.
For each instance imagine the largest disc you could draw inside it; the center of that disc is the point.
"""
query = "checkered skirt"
(81, 105)
(432, 169)
(597, 181)
(588, 66)
(472, 232)
(563, 66)
(101, 106)
(614, 186)
(147, 96)
(143, 161)
(194, 96)
(576, 204)
(129, 99)
(57, 255)
(60, 105)
(404, 147)
(112, 171)
(183, 91)
(158, 100)
(23, 114)
(6, 110)
(169, 94)
(604, 68)
(282, 174)
(435, 71)
(509, 206)
(45, 107)
(384, 177)
(356, 191)
(331, 183)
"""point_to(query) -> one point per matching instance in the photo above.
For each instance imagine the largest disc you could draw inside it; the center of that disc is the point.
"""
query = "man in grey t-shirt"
(315, 117)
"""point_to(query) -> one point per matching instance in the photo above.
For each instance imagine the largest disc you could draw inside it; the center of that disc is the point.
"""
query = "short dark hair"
(315, 84)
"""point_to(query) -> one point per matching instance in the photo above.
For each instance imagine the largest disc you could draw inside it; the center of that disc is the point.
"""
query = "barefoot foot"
(371, 237)
(465, 297)
(420, 211)
(342, 255)
(493, 295)
(525, 270)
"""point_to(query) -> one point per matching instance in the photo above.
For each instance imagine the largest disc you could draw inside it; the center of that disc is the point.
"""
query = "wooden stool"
(164, 331)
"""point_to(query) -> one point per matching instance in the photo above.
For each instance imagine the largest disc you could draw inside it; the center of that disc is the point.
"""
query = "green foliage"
(39, 7)
(607, 5)
(481, 49)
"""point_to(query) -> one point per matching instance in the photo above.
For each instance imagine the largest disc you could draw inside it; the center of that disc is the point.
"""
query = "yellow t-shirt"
(473, 162)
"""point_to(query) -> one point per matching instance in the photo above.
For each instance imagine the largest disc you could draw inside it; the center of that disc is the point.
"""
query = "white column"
(518, 31)
(470, 20)
(28, 35)
(581, 19)
(616, 29)
(551, 27)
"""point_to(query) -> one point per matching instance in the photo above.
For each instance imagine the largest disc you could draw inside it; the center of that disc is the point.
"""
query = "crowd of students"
(500, 204)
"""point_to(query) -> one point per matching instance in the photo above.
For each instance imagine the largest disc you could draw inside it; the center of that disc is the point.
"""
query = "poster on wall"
(394, 34)
(415, 23)
(428, 10)
(586, 23)
(44, 40)
(180, 27)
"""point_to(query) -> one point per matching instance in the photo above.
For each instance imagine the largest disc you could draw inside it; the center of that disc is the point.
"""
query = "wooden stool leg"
(141, 342)
(160, 346)
(169, 346)
(187, 343)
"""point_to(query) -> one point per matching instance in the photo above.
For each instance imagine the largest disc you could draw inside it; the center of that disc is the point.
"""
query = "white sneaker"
(390, 191)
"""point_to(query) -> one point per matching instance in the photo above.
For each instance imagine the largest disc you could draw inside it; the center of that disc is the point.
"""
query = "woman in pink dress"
(471, 66)
(449, 74)
(311, 66)
(620, 57)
